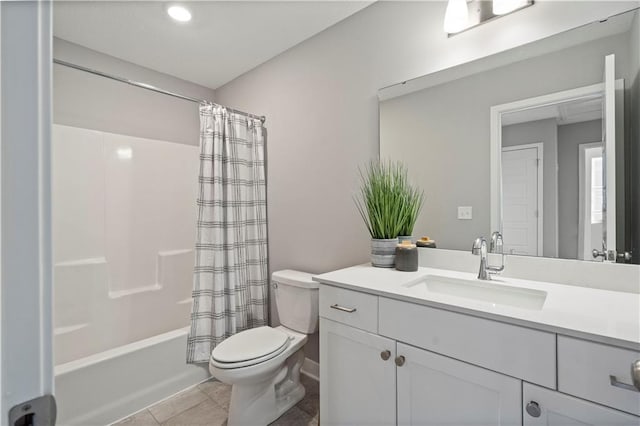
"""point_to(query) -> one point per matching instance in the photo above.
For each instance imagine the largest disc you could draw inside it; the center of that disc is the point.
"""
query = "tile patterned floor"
(208, 403)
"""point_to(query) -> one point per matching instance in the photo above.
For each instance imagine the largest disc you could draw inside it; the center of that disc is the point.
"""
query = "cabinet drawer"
(349, 307)
(585, 369)
(517, 351)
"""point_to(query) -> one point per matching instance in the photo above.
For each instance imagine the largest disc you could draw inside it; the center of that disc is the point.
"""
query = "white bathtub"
(105, 387)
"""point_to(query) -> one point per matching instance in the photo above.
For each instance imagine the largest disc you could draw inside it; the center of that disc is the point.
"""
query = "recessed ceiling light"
(179, 13)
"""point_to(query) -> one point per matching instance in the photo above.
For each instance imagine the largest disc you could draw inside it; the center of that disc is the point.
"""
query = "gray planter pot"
(383, 252)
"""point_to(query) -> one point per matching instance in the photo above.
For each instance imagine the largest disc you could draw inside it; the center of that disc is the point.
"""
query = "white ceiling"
(223, 40)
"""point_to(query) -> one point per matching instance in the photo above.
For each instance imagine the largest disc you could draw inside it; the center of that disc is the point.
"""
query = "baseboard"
(311, 369)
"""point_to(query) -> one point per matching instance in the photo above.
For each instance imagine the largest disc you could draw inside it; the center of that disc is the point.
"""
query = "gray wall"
(570, 136)
(320, 99)
(85, 100)
(453, 120)
(545, 131)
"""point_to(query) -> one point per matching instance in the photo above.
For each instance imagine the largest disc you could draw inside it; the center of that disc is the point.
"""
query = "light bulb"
(179, 13)
(456, 17)
(502, 7)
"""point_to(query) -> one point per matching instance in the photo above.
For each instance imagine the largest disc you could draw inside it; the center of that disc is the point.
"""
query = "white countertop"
(604, 316)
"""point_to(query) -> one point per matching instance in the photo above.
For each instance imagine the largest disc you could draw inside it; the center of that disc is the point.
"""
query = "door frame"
(540, 190)
(26, 331)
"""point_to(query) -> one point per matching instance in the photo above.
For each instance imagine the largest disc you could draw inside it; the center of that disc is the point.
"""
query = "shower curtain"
(230, 276)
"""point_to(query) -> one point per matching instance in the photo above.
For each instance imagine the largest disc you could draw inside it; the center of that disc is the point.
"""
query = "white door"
(609, 159)
(357, 386)
(550, 408)
(437, 390)
(590, 187)
(26, 367)
(522, 199)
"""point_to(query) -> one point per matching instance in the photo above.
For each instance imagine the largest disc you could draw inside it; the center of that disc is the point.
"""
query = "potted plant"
(413, 200)
(383, 203)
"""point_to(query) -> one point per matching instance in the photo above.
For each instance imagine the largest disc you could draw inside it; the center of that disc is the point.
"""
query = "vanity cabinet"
(358, 376)
(385, 362)
(436, 390)
(368, 379)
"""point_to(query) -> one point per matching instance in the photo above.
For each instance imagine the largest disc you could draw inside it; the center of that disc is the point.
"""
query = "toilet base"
(258, 404)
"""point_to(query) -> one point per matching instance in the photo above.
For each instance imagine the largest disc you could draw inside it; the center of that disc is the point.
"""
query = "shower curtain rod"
(262, 118)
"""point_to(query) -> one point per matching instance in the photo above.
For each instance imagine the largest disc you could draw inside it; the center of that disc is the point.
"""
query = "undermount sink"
(484, 291)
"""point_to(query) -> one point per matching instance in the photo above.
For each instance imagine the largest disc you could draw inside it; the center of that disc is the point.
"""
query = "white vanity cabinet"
(436, 390)
(385, 361)
(358, 376)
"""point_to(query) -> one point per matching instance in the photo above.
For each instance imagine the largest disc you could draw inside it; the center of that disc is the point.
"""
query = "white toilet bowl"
(263, 364)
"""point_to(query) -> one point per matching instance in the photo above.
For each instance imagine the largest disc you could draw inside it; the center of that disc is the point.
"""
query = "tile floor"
(207, 404)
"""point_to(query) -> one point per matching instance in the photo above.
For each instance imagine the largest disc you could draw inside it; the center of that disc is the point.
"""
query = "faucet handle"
(496, 243)
(477, 245)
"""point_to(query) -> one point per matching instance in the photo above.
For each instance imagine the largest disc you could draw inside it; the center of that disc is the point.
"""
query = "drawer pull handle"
(343, 309)
(385, 355)
(622, 385)
(635, 374)
(400, 361)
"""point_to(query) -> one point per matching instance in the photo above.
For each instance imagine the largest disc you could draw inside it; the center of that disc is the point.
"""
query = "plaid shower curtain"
(230, 277)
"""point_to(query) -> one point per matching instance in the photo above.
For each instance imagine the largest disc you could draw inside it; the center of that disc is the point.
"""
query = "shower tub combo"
(124, 216)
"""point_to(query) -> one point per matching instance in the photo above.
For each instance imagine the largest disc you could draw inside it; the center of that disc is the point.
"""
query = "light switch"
(465, 212)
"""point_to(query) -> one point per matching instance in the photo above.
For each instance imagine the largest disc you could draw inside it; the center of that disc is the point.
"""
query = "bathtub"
(105, 387)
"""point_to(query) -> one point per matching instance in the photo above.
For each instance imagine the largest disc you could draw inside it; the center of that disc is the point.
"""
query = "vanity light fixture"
(456, 17)
(462, 15)
(179, 13)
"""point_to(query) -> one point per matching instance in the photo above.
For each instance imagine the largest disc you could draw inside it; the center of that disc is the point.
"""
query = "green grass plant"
(388, 204)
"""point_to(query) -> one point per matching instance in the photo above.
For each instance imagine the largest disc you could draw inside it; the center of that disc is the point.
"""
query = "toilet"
(262, 364)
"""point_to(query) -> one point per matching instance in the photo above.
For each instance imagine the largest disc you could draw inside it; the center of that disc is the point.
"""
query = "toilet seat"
(249, 347)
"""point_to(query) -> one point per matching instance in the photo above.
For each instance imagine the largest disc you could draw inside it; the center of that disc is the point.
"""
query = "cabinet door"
(558, 409)
(437, 390)
(357, 386)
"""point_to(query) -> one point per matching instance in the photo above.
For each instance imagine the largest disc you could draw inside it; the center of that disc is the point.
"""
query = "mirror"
(534, 142)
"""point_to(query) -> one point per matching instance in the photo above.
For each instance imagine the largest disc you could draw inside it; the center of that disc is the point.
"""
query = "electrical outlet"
(465, 212)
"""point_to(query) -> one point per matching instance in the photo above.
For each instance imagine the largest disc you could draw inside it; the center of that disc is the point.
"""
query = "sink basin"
(483, 291)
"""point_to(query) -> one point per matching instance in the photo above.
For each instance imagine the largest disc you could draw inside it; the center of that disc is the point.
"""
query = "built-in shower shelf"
(129, 292)
(69, 329)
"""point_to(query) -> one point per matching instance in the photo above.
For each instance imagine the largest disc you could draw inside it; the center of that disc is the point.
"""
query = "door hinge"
(39, 411)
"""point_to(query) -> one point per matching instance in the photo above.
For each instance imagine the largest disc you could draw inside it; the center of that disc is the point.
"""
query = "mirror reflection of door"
(522, 197)
(570, 218)
(590, 184)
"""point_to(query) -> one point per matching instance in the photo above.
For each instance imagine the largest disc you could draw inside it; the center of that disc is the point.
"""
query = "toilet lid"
(250, 344)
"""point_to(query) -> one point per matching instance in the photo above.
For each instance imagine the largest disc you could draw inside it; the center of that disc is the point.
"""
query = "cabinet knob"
(400, 361)
(385, 355)
(533, 409)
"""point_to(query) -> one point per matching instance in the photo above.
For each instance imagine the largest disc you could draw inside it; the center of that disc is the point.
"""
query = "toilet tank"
(296, 299)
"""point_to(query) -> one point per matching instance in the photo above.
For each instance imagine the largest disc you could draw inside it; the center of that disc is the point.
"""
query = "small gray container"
(406, 257)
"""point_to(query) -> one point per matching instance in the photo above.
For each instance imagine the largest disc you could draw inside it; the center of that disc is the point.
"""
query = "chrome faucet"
(480, 248)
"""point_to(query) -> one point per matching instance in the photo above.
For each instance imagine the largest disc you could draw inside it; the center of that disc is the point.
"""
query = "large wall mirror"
(541, 142)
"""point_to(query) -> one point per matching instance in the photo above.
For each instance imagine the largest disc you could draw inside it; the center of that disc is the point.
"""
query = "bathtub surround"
(108, 386)
(95, 105)
(230, 277)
